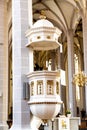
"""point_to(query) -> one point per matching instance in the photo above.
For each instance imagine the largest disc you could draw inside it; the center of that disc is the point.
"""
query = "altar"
(64, 123)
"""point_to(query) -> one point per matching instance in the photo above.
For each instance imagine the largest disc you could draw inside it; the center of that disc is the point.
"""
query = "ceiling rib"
(64, 28)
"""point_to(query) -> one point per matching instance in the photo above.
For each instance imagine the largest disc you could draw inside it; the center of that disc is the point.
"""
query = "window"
(40, 87)
(32, 88)
(57, 87)
(50, 87)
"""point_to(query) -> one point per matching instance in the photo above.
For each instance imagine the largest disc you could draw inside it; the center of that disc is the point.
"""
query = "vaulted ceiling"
(62, 13)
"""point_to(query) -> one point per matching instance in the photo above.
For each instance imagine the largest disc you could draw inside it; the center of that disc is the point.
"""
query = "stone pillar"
(21, 112)
(31, 60)
(53, 64)
(3, 66)
(59, 58)
(30, 16)
(84, 23)
(30, 22)
(71, 88)
(81, 102)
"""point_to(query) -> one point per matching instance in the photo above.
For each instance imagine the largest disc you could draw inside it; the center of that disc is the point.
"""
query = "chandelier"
(80, 79)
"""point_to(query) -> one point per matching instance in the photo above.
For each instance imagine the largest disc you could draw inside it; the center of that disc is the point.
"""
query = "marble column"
(71, 88)
(21, 112)
(84, 24)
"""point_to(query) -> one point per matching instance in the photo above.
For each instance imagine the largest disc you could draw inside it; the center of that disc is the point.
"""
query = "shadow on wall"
(10, 117)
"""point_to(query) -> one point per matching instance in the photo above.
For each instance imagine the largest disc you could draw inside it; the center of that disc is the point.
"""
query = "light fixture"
(80, 79)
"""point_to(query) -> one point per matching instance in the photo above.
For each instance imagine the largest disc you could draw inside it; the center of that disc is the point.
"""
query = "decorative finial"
(42, 15)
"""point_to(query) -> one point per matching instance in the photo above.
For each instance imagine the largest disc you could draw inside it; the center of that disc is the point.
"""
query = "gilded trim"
(33, 103)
